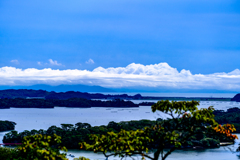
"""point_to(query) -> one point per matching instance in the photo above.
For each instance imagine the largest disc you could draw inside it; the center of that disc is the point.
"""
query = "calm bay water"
(216, 95)
(28, 119)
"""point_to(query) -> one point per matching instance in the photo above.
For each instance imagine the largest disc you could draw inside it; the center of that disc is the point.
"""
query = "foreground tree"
(7, 153)
(186, 122)
(41, 147)
(37, 147)
(122, 144)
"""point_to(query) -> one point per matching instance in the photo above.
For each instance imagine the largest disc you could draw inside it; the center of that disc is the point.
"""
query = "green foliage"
(180, 107)
(73, 134)
(187, 122)
(41, 147)
(209, 142)
(37, 147)
(7, 125)
(187, 126)
(124, 143)
(7, 153)
(232, 116)
(81, 158)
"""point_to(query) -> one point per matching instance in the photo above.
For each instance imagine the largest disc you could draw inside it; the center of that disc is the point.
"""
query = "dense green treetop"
(231, 116)
(7, 125)
(187, 123)
(37, 147)
(73, 134)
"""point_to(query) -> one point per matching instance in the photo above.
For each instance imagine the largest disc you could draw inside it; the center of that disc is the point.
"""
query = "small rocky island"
(7, 125)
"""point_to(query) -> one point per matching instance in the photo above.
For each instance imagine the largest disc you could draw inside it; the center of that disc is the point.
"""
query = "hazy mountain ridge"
(61, 88)
(42, 94)
(99, 89)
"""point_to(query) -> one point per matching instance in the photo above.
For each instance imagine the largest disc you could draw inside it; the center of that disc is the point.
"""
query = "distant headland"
(43, 94)
(25, 98)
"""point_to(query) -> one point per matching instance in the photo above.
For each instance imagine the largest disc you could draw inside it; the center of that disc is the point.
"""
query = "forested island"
(72, 102)
(25, 93)
(188, 127)
(24, 98)
(72, 135)
(231, 116)
(7, 125)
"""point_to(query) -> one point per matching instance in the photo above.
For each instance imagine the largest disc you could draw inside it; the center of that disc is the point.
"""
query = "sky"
(182, 44)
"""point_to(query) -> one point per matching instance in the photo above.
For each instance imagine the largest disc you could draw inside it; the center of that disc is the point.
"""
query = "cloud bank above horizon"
(134, 75)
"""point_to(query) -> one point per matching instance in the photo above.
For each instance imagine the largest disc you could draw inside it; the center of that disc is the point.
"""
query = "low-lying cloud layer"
(133, 75)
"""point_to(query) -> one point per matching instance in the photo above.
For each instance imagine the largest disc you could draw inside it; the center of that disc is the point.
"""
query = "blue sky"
(201, 36)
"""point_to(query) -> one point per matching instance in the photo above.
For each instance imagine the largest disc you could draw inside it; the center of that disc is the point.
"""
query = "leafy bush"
(37, 147)
(41, 147)
(81, 158)
(187, 123)
(7, 153)
(210, 142)
(7, 125)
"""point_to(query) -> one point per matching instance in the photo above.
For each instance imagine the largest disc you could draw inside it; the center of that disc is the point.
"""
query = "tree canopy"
(41, 147)
(37, 147)
(7, 125)
(186, 122)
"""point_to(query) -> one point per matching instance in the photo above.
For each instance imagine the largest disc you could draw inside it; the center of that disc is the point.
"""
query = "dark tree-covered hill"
(72, 102)
(231, 116)
(7, 125)
(25, 93)
(236, 98)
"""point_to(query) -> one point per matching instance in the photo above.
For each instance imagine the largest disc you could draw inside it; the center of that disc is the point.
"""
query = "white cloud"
(15, 61)
(52, 62)
(90, 61)
(39, 63)
(139, 69)
(157, 75)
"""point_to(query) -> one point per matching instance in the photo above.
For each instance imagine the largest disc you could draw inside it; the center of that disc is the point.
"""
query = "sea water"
(31, 118)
